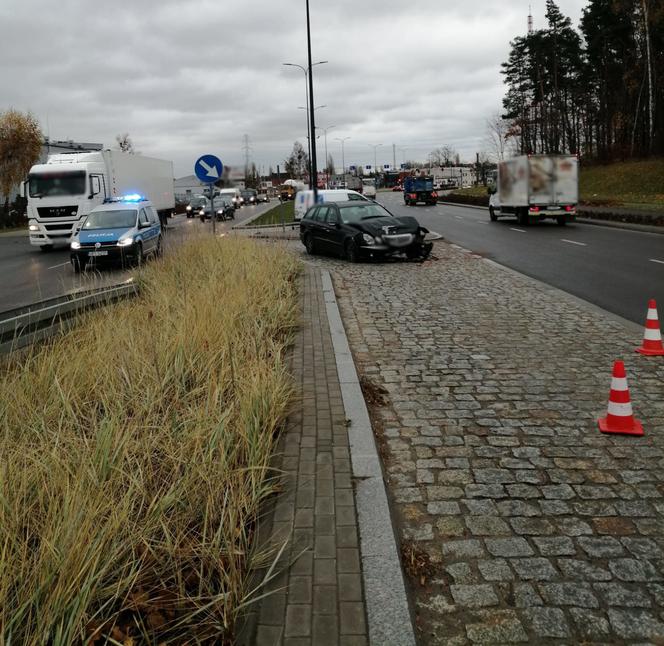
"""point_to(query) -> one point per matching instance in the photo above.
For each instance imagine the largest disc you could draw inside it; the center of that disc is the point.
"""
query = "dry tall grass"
(134, 454)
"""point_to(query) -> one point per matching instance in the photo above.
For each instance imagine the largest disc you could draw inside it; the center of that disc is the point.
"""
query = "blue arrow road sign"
(208, 169)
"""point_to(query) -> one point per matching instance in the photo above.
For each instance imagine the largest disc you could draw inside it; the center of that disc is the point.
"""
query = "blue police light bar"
(132, 197)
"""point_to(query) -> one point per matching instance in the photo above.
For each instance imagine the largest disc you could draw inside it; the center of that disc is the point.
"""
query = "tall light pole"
(301, 107)
(326, 169)
(312, 126)
(375, 146)
(307, 79)
(343, 159)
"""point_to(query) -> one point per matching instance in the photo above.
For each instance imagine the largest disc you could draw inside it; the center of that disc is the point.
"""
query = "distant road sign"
(208, 169)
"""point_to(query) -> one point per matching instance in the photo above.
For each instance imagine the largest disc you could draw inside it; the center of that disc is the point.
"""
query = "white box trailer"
(68, 186)
(536, 187)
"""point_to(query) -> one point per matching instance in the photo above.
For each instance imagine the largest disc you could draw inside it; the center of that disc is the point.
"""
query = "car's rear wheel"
(310, 244)
(492, 214)
(522, 217)
(352, 251)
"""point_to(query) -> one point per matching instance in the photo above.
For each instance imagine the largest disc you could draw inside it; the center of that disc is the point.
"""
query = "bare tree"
(125, 144)
(442, 156)
(498, 139)
(20, 146)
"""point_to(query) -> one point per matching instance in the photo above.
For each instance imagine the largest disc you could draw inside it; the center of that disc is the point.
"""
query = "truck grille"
(63, 228)
(57, 211)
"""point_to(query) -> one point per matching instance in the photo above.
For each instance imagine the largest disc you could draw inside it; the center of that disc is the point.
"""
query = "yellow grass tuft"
(134, 454)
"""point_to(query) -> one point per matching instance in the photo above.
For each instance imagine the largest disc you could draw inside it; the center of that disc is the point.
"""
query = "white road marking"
(581, 244)
(458, 217)
(481, 222)
(519, 230)
(661, 262)
(60, 265)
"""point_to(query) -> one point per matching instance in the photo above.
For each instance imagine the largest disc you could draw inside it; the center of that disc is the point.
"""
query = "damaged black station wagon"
(359, 230)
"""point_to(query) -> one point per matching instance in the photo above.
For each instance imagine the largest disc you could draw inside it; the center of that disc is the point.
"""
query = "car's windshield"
(53, 184)
(225, 200)
(199, 201)
(248, 194)
(110, 220)
(357, 212)
(367, 182)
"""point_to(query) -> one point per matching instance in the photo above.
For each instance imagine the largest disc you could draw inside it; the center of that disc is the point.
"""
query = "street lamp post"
(301, 107)
(326, 158)
(312, 126)
(343, 158)
(375, 146)
(307, 82)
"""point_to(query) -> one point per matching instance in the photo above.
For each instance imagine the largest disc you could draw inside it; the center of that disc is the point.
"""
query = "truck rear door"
(542, 181)
(566, 180)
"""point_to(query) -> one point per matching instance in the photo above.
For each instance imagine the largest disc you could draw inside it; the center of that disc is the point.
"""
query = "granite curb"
(388, 611)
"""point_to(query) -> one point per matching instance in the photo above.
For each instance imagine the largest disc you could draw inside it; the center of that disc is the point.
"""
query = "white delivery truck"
(68, 186)
(536, 187)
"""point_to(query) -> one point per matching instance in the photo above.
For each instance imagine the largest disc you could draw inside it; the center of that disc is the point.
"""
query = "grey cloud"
(190, 77)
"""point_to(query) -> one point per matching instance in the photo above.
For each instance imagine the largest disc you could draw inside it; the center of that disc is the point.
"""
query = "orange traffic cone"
(619, 417)
(652, 337)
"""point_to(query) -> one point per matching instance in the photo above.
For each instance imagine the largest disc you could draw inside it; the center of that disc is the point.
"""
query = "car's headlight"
(189, 208)
(75, 244)
(201, 212)
(368, 239)
(125, 242)
(33, 227)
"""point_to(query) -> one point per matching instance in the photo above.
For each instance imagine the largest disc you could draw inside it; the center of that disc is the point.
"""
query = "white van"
(234, 194)
(304, 200)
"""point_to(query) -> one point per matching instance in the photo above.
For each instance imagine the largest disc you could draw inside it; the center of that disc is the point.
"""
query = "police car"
(124, 229)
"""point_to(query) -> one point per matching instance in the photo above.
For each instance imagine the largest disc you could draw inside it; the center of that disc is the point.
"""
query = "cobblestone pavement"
(521, 521)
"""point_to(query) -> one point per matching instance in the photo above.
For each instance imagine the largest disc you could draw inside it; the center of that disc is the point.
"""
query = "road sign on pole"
(208, 169)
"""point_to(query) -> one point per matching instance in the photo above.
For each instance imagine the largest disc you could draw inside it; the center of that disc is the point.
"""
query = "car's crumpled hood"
(387, 225)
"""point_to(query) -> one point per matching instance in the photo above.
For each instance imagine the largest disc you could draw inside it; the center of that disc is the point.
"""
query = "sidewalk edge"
(388, 611)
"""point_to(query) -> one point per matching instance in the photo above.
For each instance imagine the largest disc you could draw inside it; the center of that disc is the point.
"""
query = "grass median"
(134, 454)
(284, 212)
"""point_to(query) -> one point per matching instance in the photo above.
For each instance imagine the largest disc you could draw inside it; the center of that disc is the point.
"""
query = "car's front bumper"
(110, 254)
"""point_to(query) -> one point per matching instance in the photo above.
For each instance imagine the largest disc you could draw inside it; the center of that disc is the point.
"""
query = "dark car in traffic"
(362, 230)
(250, 196)
(224, 207)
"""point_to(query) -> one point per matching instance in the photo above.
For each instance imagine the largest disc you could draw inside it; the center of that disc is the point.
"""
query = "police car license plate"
(98, 253)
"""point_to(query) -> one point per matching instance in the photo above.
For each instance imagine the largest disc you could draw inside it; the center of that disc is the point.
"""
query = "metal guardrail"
(26, 325)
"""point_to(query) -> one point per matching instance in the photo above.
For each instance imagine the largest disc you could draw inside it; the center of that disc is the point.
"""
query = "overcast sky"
(187, 78)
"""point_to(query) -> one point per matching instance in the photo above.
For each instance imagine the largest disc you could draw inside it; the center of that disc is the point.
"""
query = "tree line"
(598, 91)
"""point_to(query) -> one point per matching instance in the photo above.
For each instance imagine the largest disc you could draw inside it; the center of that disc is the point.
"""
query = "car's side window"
(332, 215)
(154, 218)
(310, 214)
(352, 197)
(143, 217)
(321, 213)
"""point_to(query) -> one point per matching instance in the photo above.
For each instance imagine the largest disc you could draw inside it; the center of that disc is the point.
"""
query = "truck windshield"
(110, 220)
(59, 183)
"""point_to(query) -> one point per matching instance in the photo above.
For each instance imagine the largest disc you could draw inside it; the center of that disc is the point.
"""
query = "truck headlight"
(125, 242)
(368, 239)
(33, 227)
(75, 244)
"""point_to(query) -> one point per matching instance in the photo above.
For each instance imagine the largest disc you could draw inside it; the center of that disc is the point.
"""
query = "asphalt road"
(30, 275)
(616, 269)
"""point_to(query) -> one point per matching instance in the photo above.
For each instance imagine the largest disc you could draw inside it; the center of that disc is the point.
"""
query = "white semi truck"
(68, 186)
(536, 187)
